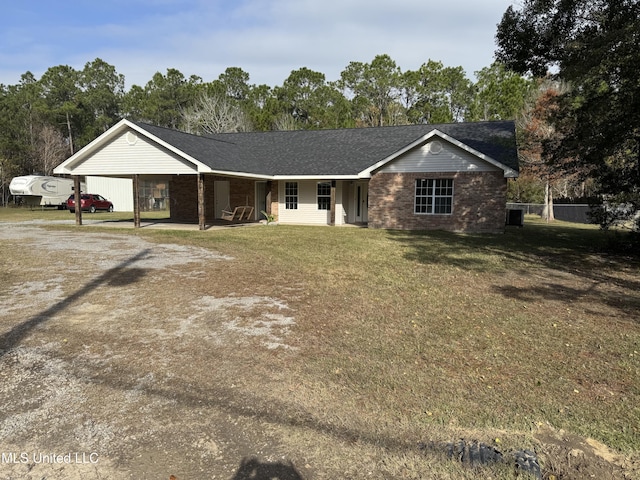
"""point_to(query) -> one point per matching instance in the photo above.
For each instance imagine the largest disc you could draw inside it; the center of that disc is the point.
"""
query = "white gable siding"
(449, 159)
(129, 154)
(307, 212)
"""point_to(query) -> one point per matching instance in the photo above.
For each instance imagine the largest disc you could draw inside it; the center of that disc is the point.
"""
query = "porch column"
(136, 201)
(333, 203)
(267, 200)
(77, 198)
(202, 218)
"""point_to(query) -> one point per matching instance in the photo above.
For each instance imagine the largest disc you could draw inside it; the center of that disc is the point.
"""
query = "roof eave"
(366, 173)
(68, 165)
(508, 172)
(315, 177)
(228, 173)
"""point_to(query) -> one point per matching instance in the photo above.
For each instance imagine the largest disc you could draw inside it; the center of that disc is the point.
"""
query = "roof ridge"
(215, 136)
(145, 126)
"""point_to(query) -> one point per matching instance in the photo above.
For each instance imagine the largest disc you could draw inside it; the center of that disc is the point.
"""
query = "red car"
(89, 202)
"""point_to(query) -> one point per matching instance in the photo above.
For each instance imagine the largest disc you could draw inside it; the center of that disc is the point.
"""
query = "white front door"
(221, 197)
(361, 201)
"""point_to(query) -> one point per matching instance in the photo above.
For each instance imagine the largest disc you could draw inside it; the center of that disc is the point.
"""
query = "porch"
(208, 199)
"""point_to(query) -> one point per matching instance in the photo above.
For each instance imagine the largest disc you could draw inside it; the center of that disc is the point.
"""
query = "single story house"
(418, 177)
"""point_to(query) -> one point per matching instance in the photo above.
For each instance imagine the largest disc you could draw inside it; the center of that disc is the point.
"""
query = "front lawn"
(409, 340)
(414, 336)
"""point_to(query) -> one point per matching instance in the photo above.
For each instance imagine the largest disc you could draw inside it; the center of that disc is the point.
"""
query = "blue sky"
(266, 38)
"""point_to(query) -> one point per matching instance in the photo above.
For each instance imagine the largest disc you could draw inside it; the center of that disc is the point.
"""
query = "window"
(324, 196)
(291, 195)
(434, 196)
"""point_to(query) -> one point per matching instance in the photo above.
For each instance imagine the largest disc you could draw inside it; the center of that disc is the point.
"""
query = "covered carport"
(129, 151)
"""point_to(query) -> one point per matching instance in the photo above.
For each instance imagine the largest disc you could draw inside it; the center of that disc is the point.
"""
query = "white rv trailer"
(36, 190)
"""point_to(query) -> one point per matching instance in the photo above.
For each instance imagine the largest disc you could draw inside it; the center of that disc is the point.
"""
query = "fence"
(566, 212)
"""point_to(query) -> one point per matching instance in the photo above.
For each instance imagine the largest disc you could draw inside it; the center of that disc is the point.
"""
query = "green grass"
(433, 336)
(23, 214)
(503, 328)
(478, 331)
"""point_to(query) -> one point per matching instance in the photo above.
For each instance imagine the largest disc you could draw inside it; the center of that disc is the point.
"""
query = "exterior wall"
(341, 199)
(184, 196)
(307, 211)
(479, 202)
(118, 190)
(183, 190)
(241, 192)
(273, 196)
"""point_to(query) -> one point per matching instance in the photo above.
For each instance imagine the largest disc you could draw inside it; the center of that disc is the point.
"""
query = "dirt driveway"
(118, 359)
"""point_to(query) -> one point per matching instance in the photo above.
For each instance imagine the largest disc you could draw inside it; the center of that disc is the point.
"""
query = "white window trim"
(296, 196)
(433, 196)
(318, 196)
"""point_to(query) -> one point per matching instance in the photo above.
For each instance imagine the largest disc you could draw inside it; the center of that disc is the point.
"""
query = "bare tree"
(51, 149)
(215, 114)
(284, 122)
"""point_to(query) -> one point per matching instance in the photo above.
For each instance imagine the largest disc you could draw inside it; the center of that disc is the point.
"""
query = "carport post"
(77, 198)
(136, 201)
(201, 205)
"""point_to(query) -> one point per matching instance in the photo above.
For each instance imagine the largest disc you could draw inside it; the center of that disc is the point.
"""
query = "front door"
(220, 197)
(361, 201)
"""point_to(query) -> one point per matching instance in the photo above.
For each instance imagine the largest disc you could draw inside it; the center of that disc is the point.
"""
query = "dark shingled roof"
(345, 151)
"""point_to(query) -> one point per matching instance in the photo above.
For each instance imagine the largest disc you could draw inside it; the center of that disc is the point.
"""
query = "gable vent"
(435, 147)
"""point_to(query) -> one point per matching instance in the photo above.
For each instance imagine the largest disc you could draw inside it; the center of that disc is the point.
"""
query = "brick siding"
(241, 191)
(479, 202)
(183, 190)
(273, 197)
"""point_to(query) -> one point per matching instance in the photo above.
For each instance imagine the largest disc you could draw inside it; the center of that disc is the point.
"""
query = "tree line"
(565, 70)
(45, 120)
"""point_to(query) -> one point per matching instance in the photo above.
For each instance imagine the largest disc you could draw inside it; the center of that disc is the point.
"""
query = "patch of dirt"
(569, 456)
(118, 360)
